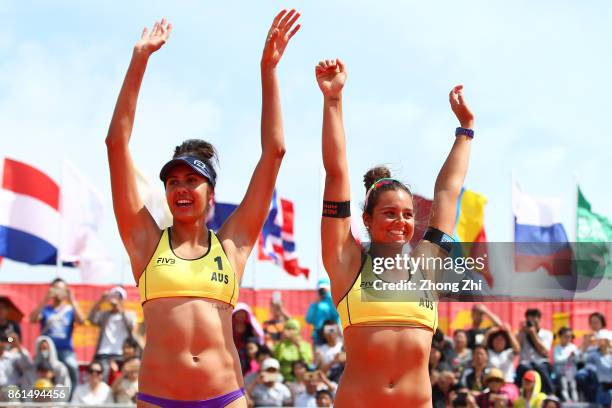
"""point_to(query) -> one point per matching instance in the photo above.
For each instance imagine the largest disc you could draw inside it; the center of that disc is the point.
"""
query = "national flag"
(82, 212)
(540, 239)
(594, 237)
(469, 229)
(29, 214)
(276, 240)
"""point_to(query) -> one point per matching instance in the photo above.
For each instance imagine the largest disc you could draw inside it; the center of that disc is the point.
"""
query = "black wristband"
(443, 240)
(336, 209)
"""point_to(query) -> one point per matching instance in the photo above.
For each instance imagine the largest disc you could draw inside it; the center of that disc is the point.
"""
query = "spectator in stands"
(262, 353)
(495, 396)
(530, 395)
(14, 361)
(252, 347)
(325, 398)
(445, 345)
(46, 353)
(462, 353)
(597, 322)
(442, 384)
(437, 360)
(329, 356)
(57, 313)
(273, 327)
(476, 334)
(551, 402)
(313, 381)
(116, 325)
(267, 389)
(535, 344)
(7, 326)
(460, 397)
(600, 362)
(473, 377)
(503, 347)
(43, 380)
(292, 348)
(131, 348)
(125, 387)
(322, 310)
(245, 327)
(565, 355)
(298, 385)
(94, 391)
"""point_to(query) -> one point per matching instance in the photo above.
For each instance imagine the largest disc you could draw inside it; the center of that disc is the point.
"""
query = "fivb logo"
(165, 261)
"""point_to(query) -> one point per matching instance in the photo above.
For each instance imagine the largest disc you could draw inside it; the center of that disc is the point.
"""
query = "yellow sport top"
(365, 305)
(209, 276)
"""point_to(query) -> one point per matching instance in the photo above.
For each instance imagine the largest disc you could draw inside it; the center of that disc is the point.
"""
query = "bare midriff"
(190, 353)
(385, 367)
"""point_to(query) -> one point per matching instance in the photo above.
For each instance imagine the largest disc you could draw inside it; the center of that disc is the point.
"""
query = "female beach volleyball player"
(189, 276)
(388, 342)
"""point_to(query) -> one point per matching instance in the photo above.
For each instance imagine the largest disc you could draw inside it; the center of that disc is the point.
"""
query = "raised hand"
(278, 37)
(460, 108)
(331, 76)
(152, 41)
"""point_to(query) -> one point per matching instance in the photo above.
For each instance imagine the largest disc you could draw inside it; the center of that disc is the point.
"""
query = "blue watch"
(464, 131)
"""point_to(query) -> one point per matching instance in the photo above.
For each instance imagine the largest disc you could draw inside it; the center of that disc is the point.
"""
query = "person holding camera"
(57, 313)
(292, 348)
(321, 311)
(314, 381)
(116, 325)
(273, 327)
(330, 356)
(7, 325)
(267, 389)
(535, 344)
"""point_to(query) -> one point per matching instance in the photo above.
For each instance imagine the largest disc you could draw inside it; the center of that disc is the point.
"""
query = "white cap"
(604, 334)
(118, 291)
(270, 363)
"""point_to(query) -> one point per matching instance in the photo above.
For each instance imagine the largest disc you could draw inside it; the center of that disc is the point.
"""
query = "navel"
(196, 359)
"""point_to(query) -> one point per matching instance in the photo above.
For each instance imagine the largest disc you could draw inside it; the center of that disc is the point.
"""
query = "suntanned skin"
(190, 353)
(386, 366)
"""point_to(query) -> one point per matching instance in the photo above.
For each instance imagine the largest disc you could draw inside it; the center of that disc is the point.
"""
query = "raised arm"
(241, 229)
(137, 228)
(339, 249)
(451, 176)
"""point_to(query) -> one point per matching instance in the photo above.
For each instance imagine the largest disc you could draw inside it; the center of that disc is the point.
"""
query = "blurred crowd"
(494, 366)
(498, 366)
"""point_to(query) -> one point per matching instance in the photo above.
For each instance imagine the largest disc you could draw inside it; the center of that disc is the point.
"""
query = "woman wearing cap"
(387, 343)
(188, 276)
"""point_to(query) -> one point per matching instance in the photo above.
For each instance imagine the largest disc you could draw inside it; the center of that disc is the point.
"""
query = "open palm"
(460, 108)
(278, 37)
(152, 41)
(331, 76)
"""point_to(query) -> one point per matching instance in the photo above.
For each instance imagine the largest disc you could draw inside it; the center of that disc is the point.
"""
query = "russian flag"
(29, 214)
(540, 239)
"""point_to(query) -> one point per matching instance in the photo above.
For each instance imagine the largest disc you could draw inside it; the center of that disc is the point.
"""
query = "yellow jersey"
(368, 304)
(209, 276)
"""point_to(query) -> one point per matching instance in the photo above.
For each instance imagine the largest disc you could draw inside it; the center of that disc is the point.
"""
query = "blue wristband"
(464, 131)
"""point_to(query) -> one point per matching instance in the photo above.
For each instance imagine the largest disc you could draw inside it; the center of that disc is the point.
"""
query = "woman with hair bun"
(189, 276)
(387, 340)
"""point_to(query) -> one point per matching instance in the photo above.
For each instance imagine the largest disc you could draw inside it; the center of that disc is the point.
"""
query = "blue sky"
(537, 75)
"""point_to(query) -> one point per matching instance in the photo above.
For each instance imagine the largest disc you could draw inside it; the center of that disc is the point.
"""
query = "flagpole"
(577, 186)
(58, 257)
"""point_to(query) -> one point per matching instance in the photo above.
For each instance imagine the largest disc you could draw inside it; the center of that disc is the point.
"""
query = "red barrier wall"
(452, 316)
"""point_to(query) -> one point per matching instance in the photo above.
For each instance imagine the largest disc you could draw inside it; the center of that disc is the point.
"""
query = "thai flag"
(276, 241)
(540, 239)
(29, 214)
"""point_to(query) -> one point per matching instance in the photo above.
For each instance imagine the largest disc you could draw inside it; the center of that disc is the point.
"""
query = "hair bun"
(375, 174)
